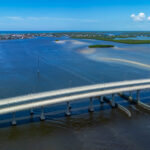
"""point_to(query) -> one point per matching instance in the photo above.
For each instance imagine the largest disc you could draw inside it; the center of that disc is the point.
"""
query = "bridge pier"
(68, 113)
(91, 108)
(113, 100)
(14, 123)
(42, 117)
(101, 99)
(138, 96)
(126, 97)
(31, 112)
(130, 95)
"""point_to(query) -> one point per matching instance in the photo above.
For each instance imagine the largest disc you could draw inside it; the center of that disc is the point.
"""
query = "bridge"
(100, 91)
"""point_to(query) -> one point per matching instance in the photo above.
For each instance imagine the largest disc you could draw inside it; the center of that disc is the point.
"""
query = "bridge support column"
(101, 99)
(91, 108)
(68, 113)
(31, 112)
(130, 95)
(42, 117)
(113, 100)
(138, 96)
(14, 123)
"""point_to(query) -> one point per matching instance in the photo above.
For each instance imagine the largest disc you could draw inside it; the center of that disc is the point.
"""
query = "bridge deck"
(11, 105)
(74, 97)
(104, 86)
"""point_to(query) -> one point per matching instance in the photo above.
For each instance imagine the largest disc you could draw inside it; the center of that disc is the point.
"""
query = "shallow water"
(66, 64)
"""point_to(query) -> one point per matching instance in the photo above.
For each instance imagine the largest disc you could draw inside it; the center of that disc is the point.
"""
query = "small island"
(101, 46)
(56, 40)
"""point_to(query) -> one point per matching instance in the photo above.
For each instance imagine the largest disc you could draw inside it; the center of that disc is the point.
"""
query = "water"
(70, 63)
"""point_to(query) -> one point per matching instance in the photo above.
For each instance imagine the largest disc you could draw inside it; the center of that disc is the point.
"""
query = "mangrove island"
(100, 46)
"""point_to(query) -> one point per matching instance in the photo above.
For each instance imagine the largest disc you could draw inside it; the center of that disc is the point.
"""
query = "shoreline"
(83, 35)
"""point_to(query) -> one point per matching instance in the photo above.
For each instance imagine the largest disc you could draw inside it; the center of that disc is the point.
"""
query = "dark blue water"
(70, 63)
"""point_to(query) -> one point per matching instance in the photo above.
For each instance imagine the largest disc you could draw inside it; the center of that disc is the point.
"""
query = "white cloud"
(37, 18)
(148, 18)
(74, 19)
(32, 18)
(139, 17)
(15, 18)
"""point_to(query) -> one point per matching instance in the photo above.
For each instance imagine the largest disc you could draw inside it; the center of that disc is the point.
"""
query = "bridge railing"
(31, 97)
(73, 97)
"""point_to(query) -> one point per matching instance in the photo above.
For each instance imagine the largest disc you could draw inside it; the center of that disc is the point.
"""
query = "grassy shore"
(94, 38)
(125, 41)
(100, 46)
(133, 41)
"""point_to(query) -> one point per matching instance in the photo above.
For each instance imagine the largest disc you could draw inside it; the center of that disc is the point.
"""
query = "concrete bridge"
(100, 91)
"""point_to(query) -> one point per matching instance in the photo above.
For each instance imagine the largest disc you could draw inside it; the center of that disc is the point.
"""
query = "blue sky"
(77, 15)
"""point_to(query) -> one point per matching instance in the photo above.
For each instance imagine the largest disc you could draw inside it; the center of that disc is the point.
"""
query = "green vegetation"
(108, 36)
(96, 35)
(104, 38)
(112, 38)
(133, 41)
(100, 46)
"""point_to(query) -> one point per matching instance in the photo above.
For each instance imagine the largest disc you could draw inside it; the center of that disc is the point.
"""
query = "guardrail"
(70, 98)
(12, 105)
(30, 97)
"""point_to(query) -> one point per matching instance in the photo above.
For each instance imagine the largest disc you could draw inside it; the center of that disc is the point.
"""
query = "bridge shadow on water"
(105, 128)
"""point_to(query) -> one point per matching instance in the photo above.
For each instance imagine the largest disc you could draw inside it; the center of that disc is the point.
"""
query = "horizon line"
(74, 30)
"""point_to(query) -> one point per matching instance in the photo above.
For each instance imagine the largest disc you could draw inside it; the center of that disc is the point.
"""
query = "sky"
(74, 15)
